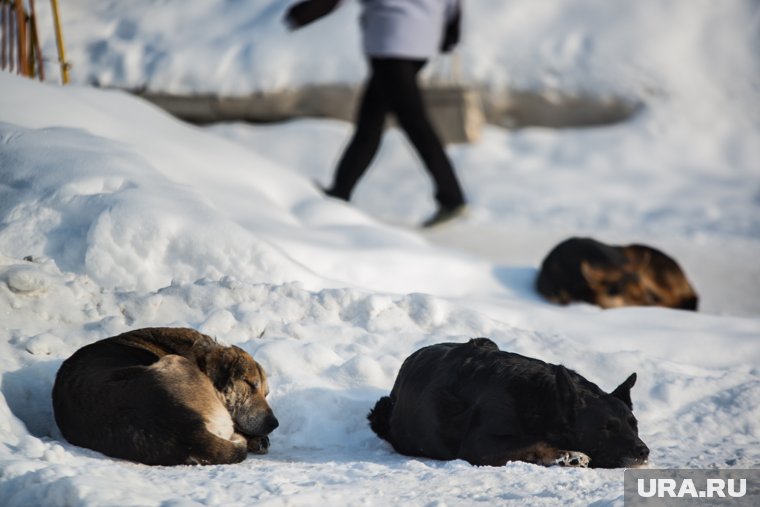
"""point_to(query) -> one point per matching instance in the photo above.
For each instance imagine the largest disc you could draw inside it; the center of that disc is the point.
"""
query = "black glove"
(451, 33)
(308, 11)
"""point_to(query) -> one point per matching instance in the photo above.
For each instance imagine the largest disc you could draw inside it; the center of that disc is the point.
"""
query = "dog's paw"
(258, 445)
(572, 459)
(238, 439)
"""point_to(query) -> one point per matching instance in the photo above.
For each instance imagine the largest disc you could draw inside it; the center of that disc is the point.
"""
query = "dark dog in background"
(474, 402)
(583, 269)
(164, 396)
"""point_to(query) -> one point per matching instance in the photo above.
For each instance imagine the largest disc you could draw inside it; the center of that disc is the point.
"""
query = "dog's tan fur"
(660, 275)
(164, 396)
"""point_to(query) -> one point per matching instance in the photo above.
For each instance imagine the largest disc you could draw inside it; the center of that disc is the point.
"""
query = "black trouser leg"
(393, 87)
(399, 78)
(363, 146)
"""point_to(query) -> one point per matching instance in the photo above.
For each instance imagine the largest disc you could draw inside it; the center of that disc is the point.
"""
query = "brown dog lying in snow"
(164, 396)
(583, 269)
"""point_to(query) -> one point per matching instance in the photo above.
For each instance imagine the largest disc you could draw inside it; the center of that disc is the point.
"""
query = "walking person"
(399, 37)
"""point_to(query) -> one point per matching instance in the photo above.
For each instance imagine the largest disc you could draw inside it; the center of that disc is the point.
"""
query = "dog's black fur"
(583, 269)
(164, 396)
(474, 402)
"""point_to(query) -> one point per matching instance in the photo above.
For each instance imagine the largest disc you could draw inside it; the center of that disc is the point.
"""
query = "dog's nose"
(271, 423)
(642, 452)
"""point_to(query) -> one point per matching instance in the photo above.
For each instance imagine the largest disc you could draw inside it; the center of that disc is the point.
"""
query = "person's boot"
(445, 214)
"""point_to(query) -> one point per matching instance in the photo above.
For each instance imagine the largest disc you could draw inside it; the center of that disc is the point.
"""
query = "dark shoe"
(329, 192)
(445, 215)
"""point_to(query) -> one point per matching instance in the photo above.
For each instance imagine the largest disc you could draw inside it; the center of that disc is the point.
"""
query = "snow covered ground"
(114, 216)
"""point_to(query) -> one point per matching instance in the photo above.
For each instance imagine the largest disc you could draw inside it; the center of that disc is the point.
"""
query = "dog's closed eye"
(611, 425)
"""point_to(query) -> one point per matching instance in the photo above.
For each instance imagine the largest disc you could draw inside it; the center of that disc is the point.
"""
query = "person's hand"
(307, 11)
(451, 33)
(295, 15)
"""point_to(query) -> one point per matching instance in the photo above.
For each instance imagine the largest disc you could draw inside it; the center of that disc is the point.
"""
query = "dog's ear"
(623, 391)
(567, 397)
(222, 366)
(201, 350)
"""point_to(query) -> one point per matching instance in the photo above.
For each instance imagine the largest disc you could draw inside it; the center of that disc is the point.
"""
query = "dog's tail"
(380, 417)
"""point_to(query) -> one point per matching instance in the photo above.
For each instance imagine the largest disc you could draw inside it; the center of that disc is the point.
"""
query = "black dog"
(583, 269)
(474, 402)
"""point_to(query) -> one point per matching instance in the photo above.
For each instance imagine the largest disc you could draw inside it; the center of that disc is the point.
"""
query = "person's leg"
(361, 149)
(398, 78)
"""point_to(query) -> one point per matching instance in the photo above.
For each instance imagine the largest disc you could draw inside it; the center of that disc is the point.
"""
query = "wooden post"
(11, 38)
(36, 51)
(59, 41)
(23, 61)
(4, 27)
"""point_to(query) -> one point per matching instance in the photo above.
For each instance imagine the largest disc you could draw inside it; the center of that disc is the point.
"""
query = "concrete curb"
(510, 109)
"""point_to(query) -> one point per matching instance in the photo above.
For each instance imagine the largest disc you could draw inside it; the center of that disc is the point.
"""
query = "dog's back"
(411, 418)
(135, 397)
(435, 398)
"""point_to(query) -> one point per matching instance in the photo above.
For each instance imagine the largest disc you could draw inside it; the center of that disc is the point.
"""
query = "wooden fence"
(20, 51)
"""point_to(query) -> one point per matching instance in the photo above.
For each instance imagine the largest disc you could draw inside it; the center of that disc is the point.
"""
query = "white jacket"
(405, 28)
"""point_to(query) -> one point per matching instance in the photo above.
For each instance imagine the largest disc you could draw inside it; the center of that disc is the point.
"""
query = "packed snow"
(115, 216)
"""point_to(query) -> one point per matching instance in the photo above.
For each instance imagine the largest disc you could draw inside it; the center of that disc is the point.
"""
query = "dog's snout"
(642, 452)
(271, 423)
(689, 303)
